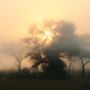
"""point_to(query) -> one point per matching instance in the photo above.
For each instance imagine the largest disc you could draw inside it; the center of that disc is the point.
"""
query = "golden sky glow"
(48, 36)
(17, 15)
(40, 36)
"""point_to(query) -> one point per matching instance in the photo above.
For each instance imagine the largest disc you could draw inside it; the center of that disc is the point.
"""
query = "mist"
(63, 39)
(7, 63)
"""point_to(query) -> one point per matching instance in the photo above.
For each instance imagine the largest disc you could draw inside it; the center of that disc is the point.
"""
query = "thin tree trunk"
(19, 66)
(70, 64)
(83, 68)
(83, 72)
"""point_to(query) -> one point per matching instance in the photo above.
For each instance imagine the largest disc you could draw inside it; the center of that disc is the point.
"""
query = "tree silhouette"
(15, 51)
(84, 57)
(63, 40)
(56, 68)
(52, 66)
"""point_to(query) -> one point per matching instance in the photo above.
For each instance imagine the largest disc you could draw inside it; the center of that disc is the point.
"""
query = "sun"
(47, 37)
(48, 34)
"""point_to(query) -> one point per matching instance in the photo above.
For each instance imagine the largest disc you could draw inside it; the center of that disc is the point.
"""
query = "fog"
(65, 40)
(7, 63)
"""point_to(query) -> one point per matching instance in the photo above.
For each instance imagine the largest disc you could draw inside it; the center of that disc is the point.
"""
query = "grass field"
(44, 85)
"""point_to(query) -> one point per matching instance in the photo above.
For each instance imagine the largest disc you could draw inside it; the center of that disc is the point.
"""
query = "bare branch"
(86, 63)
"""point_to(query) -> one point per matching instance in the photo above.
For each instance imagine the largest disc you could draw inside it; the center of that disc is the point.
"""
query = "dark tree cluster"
(53, 67)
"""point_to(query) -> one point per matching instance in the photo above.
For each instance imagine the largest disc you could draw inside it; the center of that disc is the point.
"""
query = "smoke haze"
(63, 38)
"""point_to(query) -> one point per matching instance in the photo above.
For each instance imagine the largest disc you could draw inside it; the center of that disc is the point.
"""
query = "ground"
(45, 84)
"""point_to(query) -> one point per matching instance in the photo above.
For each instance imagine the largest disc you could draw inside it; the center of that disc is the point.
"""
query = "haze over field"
(16, 17)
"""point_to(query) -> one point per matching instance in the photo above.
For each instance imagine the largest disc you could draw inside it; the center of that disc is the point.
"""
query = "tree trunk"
(19, 67)
(83, 72)
(70, 64)
(83, 68)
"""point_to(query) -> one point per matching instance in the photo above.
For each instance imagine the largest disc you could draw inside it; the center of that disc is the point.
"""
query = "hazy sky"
(17, 15)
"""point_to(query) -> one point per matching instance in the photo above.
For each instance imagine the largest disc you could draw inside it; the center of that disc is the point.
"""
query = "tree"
(84, 57)
(56, 68)
(84, 52)
(66, 42)
(61, 38)
(69, 58)
(16, 51)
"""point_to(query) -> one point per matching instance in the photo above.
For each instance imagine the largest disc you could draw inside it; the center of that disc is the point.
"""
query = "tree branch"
(86, 63)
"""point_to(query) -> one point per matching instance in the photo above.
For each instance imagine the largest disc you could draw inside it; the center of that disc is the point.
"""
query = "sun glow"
(48, 37)
(40, 36)
(48, 34)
